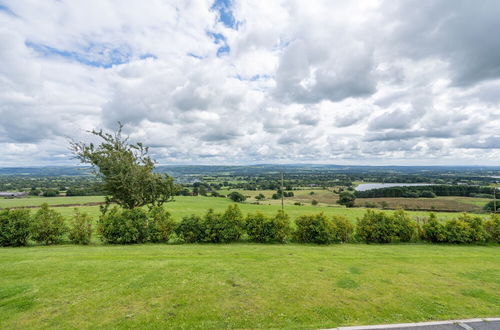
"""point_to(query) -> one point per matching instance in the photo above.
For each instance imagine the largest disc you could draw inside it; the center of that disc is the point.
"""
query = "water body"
(369, 186)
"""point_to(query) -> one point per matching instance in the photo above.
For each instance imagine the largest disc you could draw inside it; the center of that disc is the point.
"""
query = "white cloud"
(287, 81)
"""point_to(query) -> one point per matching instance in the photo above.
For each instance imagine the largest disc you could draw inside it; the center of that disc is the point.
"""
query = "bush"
(223, 228)
(379, 227)
(14, 227)
(265, 230)
(191, 229)
(316, 229)
(47, 226)
(128, 226)
(347, 199)
(343, 228)
(492, 206)
(433, 231)
(427, 194)
(492, 227)
(314, 202)
(160, 225)
(458, 231)
(80, 231)
(236, 197)
(478, 233)
(405, 228)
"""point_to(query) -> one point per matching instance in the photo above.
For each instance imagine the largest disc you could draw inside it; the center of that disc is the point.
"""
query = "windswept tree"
(126, 171)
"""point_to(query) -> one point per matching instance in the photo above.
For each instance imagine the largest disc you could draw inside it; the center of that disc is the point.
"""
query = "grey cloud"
(398, 119)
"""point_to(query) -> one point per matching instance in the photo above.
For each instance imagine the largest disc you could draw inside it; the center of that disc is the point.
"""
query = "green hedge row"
(122, 226)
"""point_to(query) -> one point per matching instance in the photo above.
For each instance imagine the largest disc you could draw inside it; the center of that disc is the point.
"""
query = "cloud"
(250, 82)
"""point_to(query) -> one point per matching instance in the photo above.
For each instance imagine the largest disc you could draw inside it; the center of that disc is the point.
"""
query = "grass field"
(186, 205)
(244, 285)
(447, 203)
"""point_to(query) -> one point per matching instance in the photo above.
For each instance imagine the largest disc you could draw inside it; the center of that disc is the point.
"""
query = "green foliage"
(80, 231)
(380, 227)
(14, 227)
(191, 229)
(47, 226)
(160, 225)
(314, 202)
(125, 170)
(492, 206)
(343, 228)
(224, 228)
(263, 229)
(316, 229)
(433, 231)
(347, 199)
(236, 197)
(458, 231)
(478, 233)
(123, 226)
(492, 227)
(50, 193)
(427, 194)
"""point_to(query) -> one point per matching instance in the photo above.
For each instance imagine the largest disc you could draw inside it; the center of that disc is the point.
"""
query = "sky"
(413, 82)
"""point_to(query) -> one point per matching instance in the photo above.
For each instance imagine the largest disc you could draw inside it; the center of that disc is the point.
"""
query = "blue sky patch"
(225, 13)
(96, 55)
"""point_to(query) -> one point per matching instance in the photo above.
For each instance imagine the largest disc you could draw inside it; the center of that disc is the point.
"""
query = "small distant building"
(13, 194)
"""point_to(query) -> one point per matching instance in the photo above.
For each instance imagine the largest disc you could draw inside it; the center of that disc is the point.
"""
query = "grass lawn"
(245, 285)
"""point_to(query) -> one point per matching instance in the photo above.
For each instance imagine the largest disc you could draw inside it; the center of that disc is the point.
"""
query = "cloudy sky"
(240, 82)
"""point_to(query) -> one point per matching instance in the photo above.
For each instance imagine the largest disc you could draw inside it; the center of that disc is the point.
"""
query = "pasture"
(187, 205)
(244, 285)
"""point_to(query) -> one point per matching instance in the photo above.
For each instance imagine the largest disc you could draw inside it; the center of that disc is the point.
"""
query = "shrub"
(343, 228)
(226, 227)
(47, 226)
(160, 225)
(316, 229)
(14, 227)
(236, 197)
(347, 199)
(478, 233)
(80, 231)
(128, 226)
(427, 194)
(492, 227)
(379, 227)
(492, 206)
(458, 231)
(405, 228)
(314, 202)
(191, 229)
(265, 230)
(433, 231)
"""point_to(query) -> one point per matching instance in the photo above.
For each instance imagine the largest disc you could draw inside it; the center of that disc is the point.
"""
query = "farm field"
(186, 205)
(245, 285)
(444, 203)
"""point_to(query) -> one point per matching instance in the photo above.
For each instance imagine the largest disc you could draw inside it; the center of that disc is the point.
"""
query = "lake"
(369, 186)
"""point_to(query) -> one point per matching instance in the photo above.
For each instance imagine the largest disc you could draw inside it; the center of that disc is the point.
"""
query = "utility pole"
(494, 199)
(282, 193)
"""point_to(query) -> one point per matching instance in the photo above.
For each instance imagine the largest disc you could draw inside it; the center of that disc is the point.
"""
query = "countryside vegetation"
(121, 243)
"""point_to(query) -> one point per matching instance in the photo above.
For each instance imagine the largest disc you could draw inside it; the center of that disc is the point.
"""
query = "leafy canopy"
(126, 171)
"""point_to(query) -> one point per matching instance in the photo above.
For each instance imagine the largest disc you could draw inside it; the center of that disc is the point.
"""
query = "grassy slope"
(199, 205)
(245, 285)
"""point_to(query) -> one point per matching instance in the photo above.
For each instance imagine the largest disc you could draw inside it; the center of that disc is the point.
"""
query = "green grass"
(245, 285)
(186, 205)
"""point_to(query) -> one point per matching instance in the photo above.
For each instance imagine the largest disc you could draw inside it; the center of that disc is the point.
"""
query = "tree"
(492, 207)
(236, 197)
(346, 198)
(126, 171)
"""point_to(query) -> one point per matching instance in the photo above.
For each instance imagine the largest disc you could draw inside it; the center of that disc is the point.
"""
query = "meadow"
(244, 285)
(187, 205)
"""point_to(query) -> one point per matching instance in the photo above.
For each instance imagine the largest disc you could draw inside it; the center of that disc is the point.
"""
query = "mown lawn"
(245, 285)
